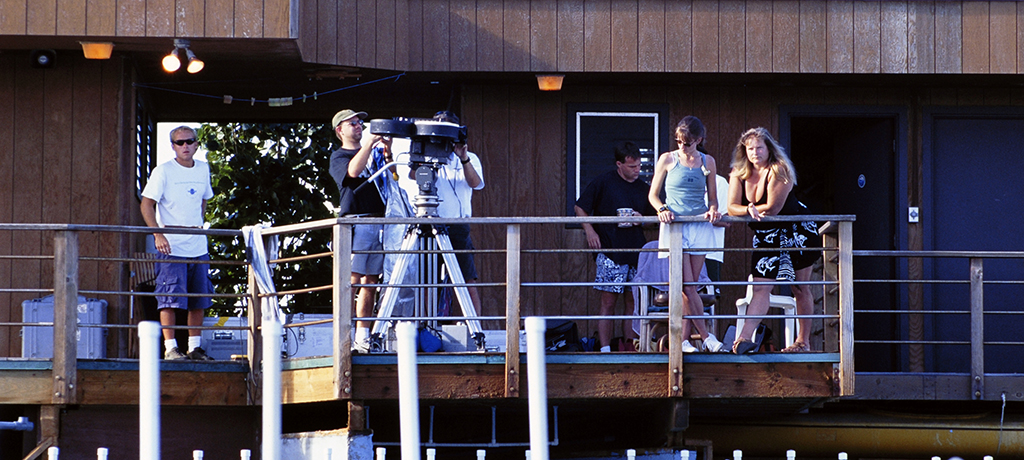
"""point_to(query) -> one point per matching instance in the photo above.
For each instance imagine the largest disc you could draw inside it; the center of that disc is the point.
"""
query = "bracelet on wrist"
(464, 161)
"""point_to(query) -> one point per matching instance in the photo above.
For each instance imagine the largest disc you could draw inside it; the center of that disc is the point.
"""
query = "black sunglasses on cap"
(184, 141)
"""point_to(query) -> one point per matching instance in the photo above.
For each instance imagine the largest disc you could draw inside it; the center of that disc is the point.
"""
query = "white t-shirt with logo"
(179, 193)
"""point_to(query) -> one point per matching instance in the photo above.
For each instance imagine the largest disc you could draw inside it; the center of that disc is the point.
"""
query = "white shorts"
(695, 235)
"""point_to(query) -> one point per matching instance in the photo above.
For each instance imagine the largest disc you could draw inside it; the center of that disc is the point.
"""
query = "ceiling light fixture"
(549, 82)
(172, 61)
(97, 50)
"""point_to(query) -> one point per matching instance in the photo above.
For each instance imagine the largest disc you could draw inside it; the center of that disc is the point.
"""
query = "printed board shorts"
(183, 278)
(610, 272)
(783, 265)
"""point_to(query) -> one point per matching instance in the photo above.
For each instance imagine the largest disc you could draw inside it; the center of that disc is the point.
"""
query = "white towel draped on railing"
(257, 254)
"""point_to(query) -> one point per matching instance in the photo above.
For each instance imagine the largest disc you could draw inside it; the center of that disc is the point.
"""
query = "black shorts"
(459, 235)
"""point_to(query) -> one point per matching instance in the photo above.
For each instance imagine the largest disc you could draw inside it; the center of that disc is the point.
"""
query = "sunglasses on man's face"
(184, 141)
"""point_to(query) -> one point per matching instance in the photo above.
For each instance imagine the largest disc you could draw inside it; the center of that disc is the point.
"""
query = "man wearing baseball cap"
(349, 170)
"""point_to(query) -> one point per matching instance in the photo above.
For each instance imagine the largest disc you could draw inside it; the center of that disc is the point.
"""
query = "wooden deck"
(448, 376)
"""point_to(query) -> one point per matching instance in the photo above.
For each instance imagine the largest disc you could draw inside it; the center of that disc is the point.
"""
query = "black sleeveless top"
(791, 207)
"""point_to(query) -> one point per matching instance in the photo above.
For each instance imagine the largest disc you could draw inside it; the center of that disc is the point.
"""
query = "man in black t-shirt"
(349, 170)
(609, 192)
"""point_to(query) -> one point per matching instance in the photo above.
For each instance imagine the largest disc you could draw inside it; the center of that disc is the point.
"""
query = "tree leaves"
(273, 174)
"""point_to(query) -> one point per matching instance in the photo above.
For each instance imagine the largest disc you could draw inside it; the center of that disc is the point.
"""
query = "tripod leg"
(390, 296)
(461, 292)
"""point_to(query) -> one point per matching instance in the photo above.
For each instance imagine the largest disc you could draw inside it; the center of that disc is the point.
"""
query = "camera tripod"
(426, 208)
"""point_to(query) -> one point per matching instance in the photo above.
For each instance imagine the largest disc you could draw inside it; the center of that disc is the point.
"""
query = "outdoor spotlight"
(194, 64)
(171, 61)
(43, 59)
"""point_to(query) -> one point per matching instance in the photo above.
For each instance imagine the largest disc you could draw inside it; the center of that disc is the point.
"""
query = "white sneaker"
(712, 344)
(688, 347)
(361, 346)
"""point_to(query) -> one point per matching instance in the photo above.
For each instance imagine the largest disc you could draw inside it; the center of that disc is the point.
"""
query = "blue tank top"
(685, 188)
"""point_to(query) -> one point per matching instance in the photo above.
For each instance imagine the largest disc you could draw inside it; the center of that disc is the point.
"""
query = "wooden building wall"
(148, 18)
(520, 136)
(780, 36)
(65, 157)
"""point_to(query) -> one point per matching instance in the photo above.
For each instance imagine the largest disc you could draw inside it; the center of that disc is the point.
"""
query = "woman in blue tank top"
(761, 184)
(688, 177)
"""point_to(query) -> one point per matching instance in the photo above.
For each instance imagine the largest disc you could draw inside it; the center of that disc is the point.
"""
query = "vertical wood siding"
(732, 36)
(519, 134)
(65, 157)
(152, 18)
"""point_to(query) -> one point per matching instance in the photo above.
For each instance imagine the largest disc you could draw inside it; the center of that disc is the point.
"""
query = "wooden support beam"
(846, 375)
(255, 344)
(977, 328)
(356, 417)
(676, 334)
(342, 309)
(603, 381)
(512, 305)
(65, 316)
(186, 388)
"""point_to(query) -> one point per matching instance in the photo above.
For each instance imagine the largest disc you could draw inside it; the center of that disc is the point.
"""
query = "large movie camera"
(431, 143)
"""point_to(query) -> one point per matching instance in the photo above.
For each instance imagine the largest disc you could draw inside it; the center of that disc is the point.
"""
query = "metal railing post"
(342, 308)
(513, 282)
(845, 251)
(65, 317)
(977, 328)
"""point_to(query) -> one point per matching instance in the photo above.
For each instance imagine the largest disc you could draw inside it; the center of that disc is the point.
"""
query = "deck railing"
(837, 285)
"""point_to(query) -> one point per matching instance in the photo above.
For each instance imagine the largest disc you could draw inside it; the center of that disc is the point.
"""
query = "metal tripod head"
(426, 201)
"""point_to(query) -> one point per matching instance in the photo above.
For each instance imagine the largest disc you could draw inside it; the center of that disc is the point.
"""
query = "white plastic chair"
(786, 303)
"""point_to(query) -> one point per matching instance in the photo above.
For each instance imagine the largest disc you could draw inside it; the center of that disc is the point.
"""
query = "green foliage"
(273, 174)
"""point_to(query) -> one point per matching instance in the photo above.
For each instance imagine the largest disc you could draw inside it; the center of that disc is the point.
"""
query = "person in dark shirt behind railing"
(351, 166)
(617, 189)
(176, 196)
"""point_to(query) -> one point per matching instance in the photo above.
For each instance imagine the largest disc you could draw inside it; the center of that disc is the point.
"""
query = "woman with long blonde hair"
(761, 184)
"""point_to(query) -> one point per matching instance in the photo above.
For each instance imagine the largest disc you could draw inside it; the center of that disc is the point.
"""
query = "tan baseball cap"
(345, 115)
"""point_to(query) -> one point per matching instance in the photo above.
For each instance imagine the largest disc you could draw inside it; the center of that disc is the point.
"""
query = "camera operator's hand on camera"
(462, 152)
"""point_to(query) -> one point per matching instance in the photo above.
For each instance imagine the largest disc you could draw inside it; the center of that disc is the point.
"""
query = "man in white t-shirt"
(456, 181)
(176, 196)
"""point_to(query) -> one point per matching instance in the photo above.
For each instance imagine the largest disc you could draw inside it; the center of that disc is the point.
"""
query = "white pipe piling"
(272, 331)
(536, 364)
(408, 390)
(149, 390)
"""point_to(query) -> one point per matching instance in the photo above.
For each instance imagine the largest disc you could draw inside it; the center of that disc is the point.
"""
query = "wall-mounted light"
(97, 50)
(43, 59)
(172, 61)
(549, 82)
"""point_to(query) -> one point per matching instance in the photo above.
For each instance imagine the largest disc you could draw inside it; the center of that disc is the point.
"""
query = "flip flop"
(743, 346)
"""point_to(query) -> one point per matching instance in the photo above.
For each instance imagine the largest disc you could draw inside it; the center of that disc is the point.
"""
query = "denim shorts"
(366, 237)
(183, 278)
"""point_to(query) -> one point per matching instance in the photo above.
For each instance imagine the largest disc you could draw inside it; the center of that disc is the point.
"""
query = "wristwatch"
(464, 161)
(663, 207)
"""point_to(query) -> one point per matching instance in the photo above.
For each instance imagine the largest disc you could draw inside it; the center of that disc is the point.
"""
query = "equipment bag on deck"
(562, 335)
